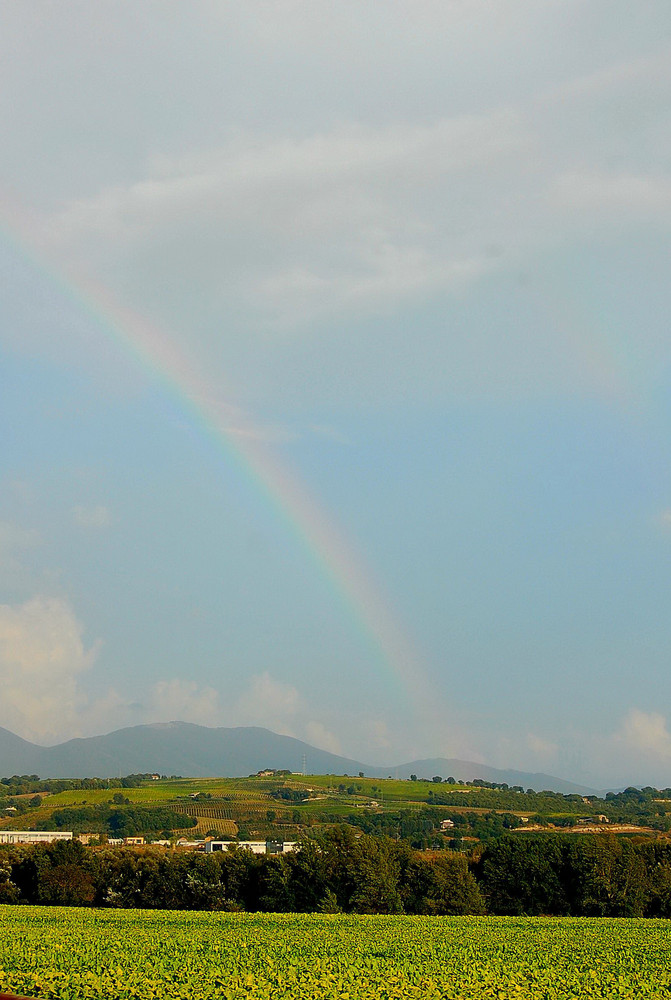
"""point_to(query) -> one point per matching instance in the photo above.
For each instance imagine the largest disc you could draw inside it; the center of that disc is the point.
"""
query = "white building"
(33, 836)
(255, 846)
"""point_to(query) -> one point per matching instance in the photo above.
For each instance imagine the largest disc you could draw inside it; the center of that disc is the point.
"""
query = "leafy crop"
(76, 954)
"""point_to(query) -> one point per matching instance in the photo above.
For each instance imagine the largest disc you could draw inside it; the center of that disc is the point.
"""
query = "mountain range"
(200, 751)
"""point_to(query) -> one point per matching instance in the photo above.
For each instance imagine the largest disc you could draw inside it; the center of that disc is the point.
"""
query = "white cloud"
(13, 537)
(617, 197)
(92, 517)
(270, 703)
(353, 191)
(184, 701)
(332, 219)
(541, 747)
(318, 735)
(42, 655)
(281, 707)
(379, 734)
(352, 223)
(647, 733)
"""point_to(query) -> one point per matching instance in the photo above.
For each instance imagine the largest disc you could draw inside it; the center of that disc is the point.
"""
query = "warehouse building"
(33, 836)
(255, 846)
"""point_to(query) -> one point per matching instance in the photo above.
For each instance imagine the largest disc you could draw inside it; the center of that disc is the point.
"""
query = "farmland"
(286, 805)
(75, 954)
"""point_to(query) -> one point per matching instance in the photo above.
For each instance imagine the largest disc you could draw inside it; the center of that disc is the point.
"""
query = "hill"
(199, 751)
(468, 770)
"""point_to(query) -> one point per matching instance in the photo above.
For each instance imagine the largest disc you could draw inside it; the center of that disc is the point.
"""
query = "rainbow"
(323, 543)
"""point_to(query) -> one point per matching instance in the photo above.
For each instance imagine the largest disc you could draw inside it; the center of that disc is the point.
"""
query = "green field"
(284, 806)
(77, 953)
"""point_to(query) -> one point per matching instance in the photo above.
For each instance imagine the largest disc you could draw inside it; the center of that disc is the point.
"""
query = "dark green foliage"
(582, 876)
(525, 874)
(21, 784)
(290, 794)
(128, 821)
(58, 874)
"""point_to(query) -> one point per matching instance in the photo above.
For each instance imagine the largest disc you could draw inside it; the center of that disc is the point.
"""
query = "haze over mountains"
(199, 751)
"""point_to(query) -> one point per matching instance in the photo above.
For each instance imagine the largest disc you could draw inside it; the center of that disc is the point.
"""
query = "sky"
(335, 376)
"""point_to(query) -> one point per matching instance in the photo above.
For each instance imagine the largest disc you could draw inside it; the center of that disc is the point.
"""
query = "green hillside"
(428, 814)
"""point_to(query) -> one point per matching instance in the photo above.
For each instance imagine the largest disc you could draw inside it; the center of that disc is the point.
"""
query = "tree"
(376, 870)
(56, 875)
(440, 887)
(524, 876)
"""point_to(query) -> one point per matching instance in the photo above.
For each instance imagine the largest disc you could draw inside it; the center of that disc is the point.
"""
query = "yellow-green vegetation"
(75, 954)
(284, 805)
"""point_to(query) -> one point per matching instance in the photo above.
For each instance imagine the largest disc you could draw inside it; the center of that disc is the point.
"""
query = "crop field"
(147, 954)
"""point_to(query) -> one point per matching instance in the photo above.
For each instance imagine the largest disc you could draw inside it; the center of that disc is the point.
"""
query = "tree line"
(342, 872)
(118, 819)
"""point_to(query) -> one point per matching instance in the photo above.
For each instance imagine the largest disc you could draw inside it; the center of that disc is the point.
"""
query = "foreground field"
(76, 953)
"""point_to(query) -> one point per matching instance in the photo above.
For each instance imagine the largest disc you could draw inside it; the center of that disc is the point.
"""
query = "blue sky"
(418, 252)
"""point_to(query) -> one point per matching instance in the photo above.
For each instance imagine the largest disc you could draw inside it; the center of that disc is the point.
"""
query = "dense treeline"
(632, 805)
(589, 875)
(578, 876)
(420, 827)
(339, 872)
(22, 784)
(117, 822)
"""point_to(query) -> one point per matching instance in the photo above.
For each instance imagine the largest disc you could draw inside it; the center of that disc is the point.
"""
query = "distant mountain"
(14, 750)
(199, 751)
(468, 770)
(169, 748)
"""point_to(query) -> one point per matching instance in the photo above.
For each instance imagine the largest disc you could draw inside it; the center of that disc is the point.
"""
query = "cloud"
(270, 703)
(379, 734)
(292, 235)
(13, 537)
(281, 707)
(185, 701)
(330, 220)
(42, 655)
(317, 734)
(619, 198)
(92, 517)
(647, 733)
(289, 225)
(541, 747)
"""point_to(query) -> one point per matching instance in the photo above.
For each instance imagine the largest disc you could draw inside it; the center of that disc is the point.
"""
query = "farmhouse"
(33, 836)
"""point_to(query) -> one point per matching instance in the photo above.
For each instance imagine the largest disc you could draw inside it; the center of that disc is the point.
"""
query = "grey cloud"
(277, 243)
